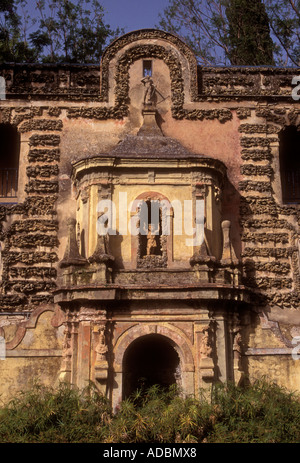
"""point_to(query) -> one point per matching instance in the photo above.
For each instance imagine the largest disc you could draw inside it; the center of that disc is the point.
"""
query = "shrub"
(261, 412)
(42, 414)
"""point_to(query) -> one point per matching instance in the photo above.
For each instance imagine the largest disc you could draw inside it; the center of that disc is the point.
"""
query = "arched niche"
(152, 247)
(148, 44)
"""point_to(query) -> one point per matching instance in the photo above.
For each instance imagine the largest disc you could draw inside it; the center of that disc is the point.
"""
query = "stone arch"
(172, 46)
(177, 340)
(167, 239)
(149, 51)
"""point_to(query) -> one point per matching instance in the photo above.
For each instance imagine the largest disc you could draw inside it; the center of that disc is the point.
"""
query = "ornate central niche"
(148, 230)
(152, 246)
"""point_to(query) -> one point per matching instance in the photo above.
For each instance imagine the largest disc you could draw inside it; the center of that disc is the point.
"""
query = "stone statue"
(150, 92)
(101, 347)
(151, 240)
(237, 342)
(205, 347)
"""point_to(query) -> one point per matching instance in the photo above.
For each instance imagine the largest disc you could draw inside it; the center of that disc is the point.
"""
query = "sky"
(133, 14)
(129, 15)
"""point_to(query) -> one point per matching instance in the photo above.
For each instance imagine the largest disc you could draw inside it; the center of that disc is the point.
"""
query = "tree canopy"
(241, 32)
(249, 40)
(59, 31)
(221, 32)
(284, 20)
(12, 47)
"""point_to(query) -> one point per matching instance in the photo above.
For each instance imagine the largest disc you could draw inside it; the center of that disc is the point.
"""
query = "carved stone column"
(204, 343)
(228, 255)
(72, 255)
(230, 271)
(72, 258)
(203, 264)
(101, 349)
(222, 349)
(92, 348)
(74, 344)
(102, 261)
(66, 366)
(237, 350)
(202, 261)
(69, 361)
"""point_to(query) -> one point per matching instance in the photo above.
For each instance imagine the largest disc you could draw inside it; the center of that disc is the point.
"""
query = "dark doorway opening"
(9, 160)
(289, 157)
(150, 360)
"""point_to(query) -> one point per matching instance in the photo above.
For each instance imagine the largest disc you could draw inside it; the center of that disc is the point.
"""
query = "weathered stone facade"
(79, 306)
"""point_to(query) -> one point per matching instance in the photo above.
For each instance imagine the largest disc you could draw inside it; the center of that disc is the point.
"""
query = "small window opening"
(289, 157)
(9, 160)
(147, 68)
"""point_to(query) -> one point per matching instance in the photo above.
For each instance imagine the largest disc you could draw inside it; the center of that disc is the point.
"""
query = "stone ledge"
(34, 353)
(147, 292)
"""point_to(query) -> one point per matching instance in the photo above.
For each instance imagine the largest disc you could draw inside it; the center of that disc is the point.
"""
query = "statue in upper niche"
(150, 98)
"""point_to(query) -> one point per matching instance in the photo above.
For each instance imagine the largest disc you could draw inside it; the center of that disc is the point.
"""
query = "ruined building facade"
(93, 288)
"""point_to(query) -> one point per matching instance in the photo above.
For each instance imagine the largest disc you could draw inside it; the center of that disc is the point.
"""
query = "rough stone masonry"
(78, 306)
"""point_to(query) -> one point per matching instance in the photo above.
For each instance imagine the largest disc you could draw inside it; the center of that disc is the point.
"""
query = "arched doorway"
(150, 360)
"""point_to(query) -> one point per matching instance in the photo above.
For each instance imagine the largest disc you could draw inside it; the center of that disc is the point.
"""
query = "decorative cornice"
(110, 161)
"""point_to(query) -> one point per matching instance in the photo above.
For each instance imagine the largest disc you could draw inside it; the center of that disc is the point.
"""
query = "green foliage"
(159, 416)
(71, 31)
(59, 31)
(260, 413)
(284, 17)
(237, 31)
(65, 415)
(201, 24)
(13, 47)
(249, 41)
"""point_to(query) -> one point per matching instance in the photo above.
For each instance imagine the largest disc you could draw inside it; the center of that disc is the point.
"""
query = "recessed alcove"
(150, 360)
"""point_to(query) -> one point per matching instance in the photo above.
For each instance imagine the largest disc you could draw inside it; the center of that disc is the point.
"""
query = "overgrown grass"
(62, 415)
(260, 413)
